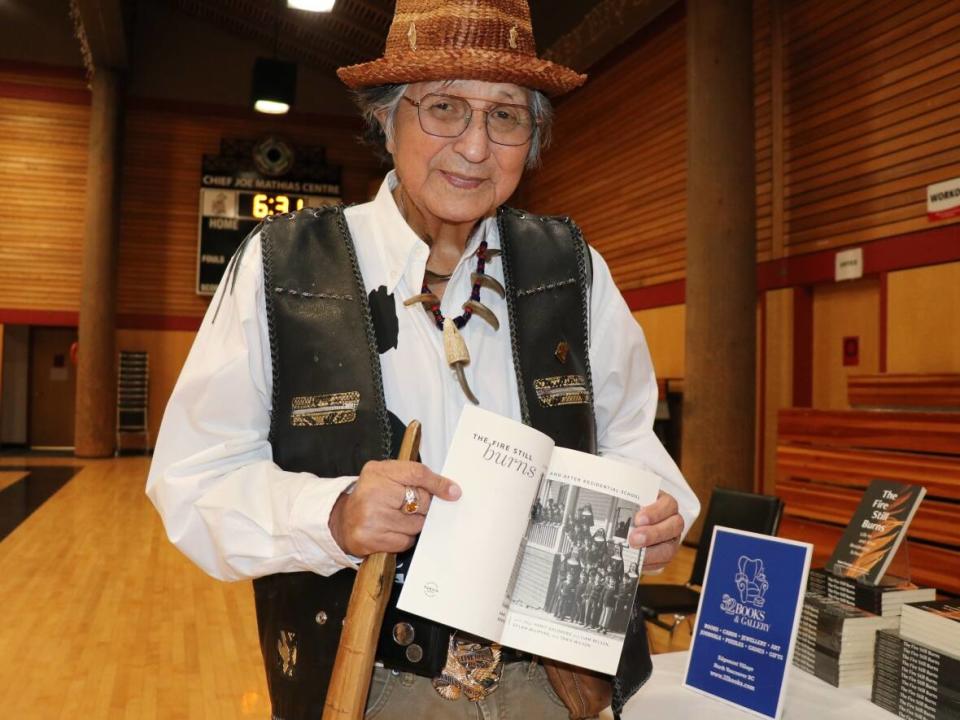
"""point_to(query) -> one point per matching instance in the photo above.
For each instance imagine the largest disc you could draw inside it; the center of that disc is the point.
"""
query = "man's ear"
(381, 116)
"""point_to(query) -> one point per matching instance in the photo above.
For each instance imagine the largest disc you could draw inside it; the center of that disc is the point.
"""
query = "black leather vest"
(329, 418)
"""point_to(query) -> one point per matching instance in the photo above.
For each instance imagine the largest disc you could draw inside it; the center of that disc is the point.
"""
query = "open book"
(534, 554)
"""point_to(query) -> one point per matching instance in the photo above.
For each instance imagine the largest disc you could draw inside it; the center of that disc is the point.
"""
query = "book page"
(461, 567)
(575, 580)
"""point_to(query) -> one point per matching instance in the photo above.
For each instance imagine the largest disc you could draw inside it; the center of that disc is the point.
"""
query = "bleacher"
(825, 459)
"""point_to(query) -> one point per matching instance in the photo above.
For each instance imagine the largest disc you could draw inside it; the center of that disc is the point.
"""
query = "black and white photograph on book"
(576, 567)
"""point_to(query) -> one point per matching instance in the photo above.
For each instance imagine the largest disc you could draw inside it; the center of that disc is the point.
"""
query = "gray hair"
(385, 99)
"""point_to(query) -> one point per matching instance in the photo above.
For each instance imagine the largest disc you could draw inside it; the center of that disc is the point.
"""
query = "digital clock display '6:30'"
(259, 205)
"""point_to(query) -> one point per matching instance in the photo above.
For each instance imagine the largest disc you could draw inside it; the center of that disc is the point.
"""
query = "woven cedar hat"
(462, 40)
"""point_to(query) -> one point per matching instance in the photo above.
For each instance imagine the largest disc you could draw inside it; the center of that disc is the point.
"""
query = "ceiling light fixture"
(274, 86)
(312, 5)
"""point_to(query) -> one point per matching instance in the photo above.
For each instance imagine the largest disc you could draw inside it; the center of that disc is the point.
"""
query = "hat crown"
(430, 25)
(487, 40)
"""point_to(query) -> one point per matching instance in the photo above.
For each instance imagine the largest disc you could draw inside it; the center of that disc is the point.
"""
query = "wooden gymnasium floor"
(106, 619)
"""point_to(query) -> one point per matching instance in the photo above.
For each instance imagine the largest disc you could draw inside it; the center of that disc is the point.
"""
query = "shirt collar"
(403, 253)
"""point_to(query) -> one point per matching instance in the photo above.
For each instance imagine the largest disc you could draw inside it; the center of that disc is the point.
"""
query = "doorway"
(53, 388)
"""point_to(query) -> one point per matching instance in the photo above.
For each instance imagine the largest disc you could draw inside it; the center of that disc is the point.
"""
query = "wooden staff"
(356, 654)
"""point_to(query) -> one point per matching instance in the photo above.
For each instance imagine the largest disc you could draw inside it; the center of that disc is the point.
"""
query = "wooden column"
(94, 434)
(720, 384)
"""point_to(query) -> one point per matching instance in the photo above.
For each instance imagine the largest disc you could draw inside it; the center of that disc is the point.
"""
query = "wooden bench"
(905, 391)
(826, 458)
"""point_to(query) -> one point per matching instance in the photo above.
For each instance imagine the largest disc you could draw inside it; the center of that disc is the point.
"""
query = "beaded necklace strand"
(462, 320)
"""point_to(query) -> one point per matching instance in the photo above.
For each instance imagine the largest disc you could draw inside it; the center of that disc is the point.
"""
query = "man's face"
(464, 178)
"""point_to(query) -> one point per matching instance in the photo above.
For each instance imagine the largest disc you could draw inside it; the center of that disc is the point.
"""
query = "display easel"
(899, 571)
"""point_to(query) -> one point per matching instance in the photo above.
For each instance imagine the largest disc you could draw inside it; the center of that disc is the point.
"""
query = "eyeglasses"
(450, 115)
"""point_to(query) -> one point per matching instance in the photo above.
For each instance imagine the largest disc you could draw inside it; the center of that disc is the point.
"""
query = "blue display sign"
(747, 622)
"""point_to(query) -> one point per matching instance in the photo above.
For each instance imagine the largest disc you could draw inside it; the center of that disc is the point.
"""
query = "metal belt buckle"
(473, 669)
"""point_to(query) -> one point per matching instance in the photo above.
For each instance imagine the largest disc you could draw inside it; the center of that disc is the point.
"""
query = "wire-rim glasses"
(450, 115)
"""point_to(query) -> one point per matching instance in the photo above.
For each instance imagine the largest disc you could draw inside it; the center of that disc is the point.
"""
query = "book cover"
(875, 531)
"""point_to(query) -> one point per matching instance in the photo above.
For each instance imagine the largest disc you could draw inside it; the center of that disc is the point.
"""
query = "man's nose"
(474, 143)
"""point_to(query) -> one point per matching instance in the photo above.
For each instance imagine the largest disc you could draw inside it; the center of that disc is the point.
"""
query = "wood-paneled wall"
(617, 164)
(871, 117)
(44, 125)
(857, 111)
(663, 328)
(923, 320)
(161, 189)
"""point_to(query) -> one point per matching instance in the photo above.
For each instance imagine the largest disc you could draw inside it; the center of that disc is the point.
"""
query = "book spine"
(935, 668)
(838, 589)
(929, 673)
(885, 695)
(911, 682)
(830, 631)
(826, 670)
(817, 582)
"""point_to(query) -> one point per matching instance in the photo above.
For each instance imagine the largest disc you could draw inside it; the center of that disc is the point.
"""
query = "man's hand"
(370, 520)
(657, 528)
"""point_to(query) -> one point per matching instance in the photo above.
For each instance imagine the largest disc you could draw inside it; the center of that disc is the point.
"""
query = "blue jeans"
(524, 694)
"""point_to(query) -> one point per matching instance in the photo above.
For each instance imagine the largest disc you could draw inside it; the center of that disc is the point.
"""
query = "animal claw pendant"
(488, 282)
(457, 356)
(478, 308)
(428, 299)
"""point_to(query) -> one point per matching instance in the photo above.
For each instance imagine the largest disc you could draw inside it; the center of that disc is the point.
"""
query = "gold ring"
(410, 501)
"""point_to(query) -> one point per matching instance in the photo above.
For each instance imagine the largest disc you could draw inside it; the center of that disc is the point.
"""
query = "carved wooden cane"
(356, 654)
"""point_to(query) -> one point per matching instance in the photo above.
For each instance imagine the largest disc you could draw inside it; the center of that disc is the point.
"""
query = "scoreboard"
(245, 183)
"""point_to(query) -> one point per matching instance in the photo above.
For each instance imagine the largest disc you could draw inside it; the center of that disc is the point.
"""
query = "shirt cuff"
(310, 522)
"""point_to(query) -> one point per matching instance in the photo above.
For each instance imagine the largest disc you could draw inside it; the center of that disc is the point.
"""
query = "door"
(846, 338)
(53, 387)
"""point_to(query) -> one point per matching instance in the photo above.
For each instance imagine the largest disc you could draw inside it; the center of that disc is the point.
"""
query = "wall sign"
(943, 200)
(247, 181)
(848, 264)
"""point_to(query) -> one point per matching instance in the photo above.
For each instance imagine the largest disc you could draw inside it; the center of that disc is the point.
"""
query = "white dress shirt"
(235, 513)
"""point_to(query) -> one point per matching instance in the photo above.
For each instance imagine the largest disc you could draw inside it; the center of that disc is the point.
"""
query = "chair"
(729, 508)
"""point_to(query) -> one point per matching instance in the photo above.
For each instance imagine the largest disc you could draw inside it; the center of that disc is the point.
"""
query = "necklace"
(429, 276)
(470, 306)
(454, 346)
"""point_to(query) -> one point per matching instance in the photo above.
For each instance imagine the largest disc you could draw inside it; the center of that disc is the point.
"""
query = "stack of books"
(935, 624)
(915, 681)
(884, 599)
(836, 641)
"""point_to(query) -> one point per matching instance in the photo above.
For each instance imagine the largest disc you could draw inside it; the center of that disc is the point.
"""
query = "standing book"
(495, 564)
(875, 531)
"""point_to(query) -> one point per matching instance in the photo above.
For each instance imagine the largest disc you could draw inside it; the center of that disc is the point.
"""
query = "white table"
(806, 698)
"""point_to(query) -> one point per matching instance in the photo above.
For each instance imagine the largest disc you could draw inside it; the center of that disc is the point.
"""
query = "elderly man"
(334, 327)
